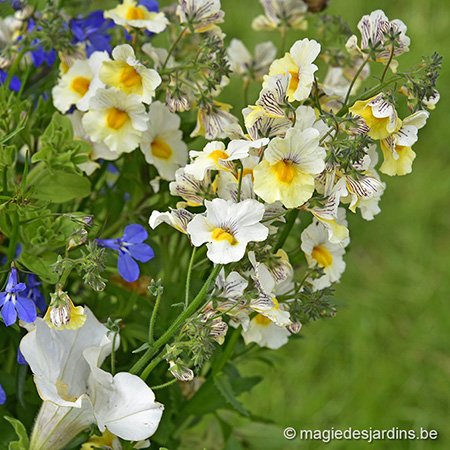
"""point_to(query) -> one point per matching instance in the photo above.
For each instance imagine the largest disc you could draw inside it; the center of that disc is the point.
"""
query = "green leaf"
(222, 383)
(23, 443)
(41, 265)
(61, 187)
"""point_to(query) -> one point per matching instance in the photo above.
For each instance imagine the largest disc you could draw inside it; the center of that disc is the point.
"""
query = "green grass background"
(384, 360)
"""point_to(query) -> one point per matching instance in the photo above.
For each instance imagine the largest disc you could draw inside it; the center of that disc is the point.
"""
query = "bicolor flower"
(79, 84)
(13, 304)
(162, 144)
(131, 14)
(379, 115)
(299, 63)
(287, 171)
(397, 151)
(176, 218)
(190, 188)
(227, 228)
(265, 333)
(203, 15)
(127, 74)
(281, 13)
(320, 251)
(242, 63)
(375, 31)
(77, 393)
(116, 119)
(130, 247)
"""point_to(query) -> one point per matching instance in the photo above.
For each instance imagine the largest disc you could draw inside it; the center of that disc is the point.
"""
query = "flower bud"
(62, 313)
(181, 373)
(294, 327)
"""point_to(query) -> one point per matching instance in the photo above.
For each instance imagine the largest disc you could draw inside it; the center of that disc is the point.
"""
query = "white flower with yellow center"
(202, 14)
(79, 84)
(265, 333)
(397, 151)
(127, 74)
(287, 171)
(227, 228)
(379, 115)
(162, 144)
(299, 63)
(116, 119)
(130, 14)
(319, 250)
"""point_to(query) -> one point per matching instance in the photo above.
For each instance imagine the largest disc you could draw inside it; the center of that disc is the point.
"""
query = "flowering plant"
(116, 126)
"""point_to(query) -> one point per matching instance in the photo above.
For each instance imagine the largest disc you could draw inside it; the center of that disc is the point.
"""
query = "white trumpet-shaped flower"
(77, 393)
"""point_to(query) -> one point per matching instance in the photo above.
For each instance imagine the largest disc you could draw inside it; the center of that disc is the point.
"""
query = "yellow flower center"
(293, 84)
(322, 256)
(216, 154)
(161, 149)
(129, 77)
(116, 118)
(245, 173)
(134, 13)
(221, 235)
(284, 171)
(80, 85)
(262, 320)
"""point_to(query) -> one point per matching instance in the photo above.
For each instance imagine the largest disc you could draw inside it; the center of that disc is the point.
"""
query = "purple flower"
(34, 293)
(15, 84)
(13, 304)
(130, 247)
(2, 395)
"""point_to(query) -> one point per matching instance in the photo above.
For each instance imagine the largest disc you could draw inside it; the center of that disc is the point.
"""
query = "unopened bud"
(181, 373)
(62, 313)
(294, 327)
(178, 103)
(77, 238)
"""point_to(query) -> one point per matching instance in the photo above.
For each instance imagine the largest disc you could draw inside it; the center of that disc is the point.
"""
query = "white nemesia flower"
(319, 250)
(176, 218)
(299, 63)
(162, 144)
(130, 14)
(203, 14)
(227, 228)
(189, 188)
(281, 12)
(77, 393)
(265, 333)
(116, 119)
(79, 84)
(127, 74)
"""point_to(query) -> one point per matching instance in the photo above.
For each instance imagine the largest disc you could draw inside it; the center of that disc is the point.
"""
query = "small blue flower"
(20, 358)
(13, 304)
(15, 84)
(2, 395)
(130, 247)
(34, 293)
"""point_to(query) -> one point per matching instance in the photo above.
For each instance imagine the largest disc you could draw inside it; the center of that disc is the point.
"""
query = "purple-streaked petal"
(134, 234)
(128, 267)
(9, 313)
(26, 309)
(109, 243)
(141, 252)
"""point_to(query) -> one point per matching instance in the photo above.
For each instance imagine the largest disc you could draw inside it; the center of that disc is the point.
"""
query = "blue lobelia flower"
(34, 293)
(13, 304)
(92, 32)
(130, 247)
(15, 84)
(2, 395)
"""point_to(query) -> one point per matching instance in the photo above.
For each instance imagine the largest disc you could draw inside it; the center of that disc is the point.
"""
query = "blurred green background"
(384, 360)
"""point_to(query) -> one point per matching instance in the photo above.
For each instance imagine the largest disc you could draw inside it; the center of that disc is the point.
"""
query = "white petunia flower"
(77, 393)
(116, 119)
(319, 250)
(299, 63)
(227, 228)
(79, 84)
(287, 171)
(162, 144)
(127, 74)
(130, 14)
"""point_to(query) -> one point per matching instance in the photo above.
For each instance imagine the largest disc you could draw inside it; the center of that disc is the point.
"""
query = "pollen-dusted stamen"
(116, 118)
(129, 77)
(80, 85)
(284, 171)
(322, 256)
(161, 149)
(218, 234)
(135, 13)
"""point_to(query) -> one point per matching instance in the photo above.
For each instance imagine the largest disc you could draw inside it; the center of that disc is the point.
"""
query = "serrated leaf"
(222, 383)
(23, 443)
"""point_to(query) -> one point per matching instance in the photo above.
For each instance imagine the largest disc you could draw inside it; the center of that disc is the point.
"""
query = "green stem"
(151, 366)
(241, 173)
(226, 355)
(287, 228)
(173, 47)
(153, 318)
(5, 180)
(188, 277)
(354, 80)
(13, 238)
(161, 386)
(137, 367)
(388, 63)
